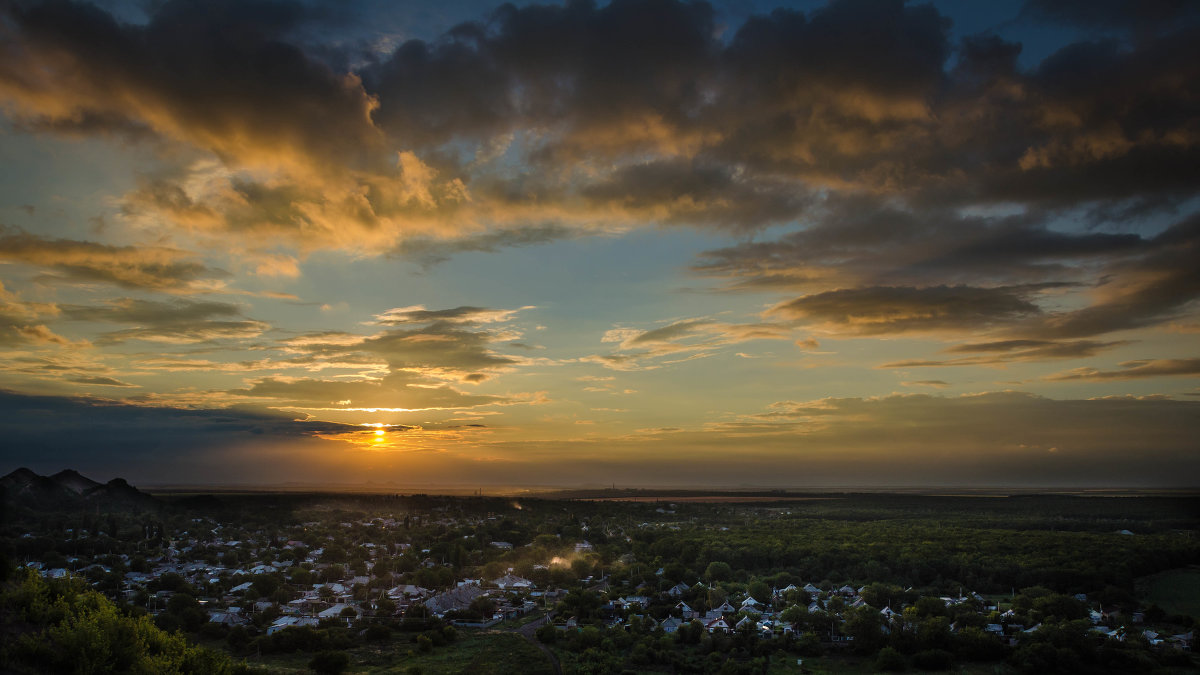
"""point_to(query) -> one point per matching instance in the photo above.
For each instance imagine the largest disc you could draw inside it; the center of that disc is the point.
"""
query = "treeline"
(922, 553)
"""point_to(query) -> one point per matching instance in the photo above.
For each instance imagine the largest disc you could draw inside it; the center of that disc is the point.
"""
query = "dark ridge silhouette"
(72, 480)
(68, 489)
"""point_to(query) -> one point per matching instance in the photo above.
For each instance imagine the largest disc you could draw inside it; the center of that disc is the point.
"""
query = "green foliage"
(760, 591)
(865, 625)
(547, 633)
(890, 660)
(330, 662)
(718, 571)
(75, 629)
(933, 659)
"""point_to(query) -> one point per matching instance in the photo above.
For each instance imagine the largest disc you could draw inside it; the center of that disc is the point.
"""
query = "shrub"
(933, 659)
(424, 643)
(889, 660)
(329, 662)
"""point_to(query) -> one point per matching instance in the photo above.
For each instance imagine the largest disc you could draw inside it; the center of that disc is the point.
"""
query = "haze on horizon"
(649, 243)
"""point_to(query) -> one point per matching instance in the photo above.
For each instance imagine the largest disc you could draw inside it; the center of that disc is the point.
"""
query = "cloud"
(397, 391)
(221, 77)
(874, 269)
(429, 251)
(685, 339)
(547, 122)
(1009, 351)
(21, 322)
(891, 310)
(411, 364)
(173, 322)
(143, 443)
(100, 381)
(682, 192)
(458, 315)
(133, 267)
(1132, 370)
(1158, 287)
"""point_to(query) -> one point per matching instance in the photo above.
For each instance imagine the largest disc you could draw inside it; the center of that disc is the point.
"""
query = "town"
(288, 582)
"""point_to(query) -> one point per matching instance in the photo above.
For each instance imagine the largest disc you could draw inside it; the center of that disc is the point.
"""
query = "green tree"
(718, 571)
(760, 591)
(865, 625)
(72, 629)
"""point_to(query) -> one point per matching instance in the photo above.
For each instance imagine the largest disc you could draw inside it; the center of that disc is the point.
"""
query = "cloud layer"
(284, 215)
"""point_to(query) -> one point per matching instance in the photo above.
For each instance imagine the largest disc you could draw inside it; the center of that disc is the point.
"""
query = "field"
(1176, 591)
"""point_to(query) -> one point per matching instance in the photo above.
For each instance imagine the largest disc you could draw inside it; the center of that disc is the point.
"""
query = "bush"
(890, 660)
(933, 659)
(330, 663)
(424, 643)
(377, 633)
(547, 633)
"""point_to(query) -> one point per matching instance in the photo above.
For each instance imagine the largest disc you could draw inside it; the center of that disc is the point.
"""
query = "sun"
(379, 432)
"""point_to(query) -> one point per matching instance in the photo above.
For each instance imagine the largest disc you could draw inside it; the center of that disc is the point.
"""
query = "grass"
(857, 665)
(486, 653)
(1176, 591)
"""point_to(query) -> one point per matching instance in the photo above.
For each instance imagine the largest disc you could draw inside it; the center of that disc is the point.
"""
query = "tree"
(385, 606)
(674, 572)
(760, 591)
(928, 606)
(865, 625)
(718, 571)
(75, 629)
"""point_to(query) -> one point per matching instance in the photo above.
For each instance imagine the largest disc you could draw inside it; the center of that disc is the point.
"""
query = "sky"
(632, 243)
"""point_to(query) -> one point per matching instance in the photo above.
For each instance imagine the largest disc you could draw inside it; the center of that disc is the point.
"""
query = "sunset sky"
(862, 243)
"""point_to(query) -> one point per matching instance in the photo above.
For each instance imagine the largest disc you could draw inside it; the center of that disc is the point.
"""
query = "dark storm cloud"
(593, 70)
(219, 75)
(689, 193)
(864, 240)
(104, 426)
(557, 118)
(1159, 286)
(1129, 280)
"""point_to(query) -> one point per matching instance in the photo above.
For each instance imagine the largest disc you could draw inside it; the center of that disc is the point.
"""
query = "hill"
(68, 489)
